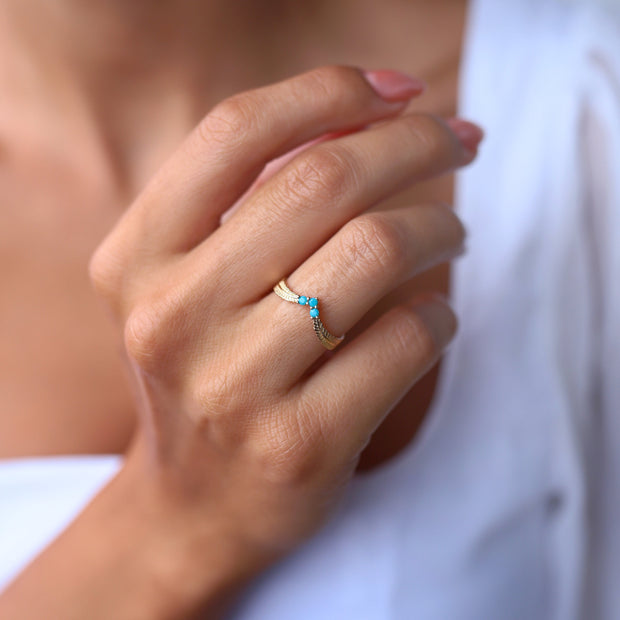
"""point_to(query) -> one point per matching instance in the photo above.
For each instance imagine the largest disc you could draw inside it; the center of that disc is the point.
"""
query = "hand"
(247, 425)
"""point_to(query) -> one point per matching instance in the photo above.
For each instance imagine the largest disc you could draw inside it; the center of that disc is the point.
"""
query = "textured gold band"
(329, 341)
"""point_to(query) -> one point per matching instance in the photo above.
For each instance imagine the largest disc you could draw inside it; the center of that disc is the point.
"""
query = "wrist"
(128, 556)
(194, 561)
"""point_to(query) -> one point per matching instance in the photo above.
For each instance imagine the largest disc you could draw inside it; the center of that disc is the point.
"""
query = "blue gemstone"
(314, 302)
(302, 300)
(314, 312)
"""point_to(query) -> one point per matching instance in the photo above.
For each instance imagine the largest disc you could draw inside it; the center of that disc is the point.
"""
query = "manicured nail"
(468, 133)
(394, 85)
(438, 317)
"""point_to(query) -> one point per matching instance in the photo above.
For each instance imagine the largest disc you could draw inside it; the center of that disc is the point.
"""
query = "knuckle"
(373, 244)
(320, 176)
(410, 333)
(458, 233)
(232, 121)
(146, 335)
(105, 273)
(429, 132)
(99, 272)
(218, 396)
(334, 82)
(224, 385)
(141, 337)
(291, 449)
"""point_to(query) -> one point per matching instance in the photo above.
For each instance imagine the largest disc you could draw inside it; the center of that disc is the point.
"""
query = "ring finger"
(372, 255)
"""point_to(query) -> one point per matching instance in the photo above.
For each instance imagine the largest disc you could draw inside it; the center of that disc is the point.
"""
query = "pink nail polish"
(468, 133)
(394, 85)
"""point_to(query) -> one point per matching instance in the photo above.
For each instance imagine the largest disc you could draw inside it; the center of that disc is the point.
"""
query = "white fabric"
(507, 505)
(39, 497)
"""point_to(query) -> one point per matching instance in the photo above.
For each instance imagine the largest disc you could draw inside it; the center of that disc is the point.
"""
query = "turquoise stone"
(314, 312)
(314, 302)
(302, 300)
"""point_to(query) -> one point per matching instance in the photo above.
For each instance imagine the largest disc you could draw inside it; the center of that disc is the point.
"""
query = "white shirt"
(507, 504)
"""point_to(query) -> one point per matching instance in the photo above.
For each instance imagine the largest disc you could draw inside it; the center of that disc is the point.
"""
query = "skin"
(57, 81)
(195, 319)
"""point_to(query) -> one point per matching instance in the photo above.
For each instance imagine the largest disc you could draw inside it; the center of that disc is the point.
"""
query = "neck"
(108, 73)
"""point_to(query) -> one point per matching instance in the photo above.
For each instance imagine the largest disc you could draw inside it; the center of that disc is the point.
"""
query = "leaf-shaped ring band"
(328, 340)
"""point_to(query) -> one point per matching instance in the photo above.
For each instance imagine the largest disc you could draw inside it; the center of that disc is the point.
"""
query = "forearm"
(126, 557)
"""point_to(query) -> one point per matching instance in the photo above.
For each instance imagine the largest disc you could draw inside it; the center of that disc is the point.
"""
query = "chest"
(60, 376)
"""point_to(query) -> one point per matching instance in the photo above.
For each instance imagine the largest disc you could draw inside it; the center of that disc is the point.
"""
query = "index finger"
(224, 154)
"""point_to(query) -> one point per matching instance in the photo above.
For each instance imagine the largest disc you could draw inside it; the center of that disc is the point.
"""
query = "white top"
(505, 504)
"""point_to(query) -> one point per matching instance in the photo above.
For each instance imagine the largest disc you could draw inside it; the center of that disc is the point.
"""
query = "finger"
(277, 164)
(371, 256)
(353, 391)
(230, 146)
(300, 207)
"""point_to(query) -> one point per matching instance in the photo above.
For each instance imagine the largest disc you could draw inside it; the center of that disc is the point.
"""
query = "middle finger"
(306, 202)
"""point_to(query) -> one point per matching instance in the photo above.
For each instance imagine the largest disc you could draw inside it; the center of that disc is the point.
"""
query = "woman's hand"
(248, 427)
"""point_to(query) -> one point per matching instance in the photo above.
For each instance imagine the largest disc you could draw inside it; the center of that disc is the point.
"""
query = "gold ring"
(329, 341)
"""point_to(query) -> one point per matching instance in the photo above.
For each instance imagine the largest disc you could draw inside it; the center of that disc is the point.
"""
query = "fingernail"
(394, 85)
(438, 317)
(468, 133)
